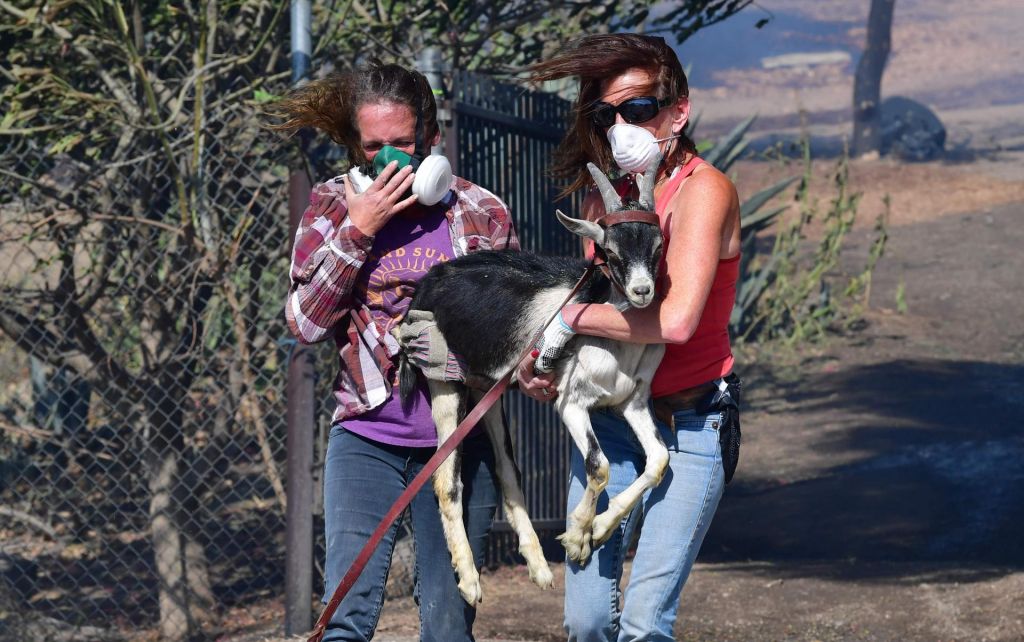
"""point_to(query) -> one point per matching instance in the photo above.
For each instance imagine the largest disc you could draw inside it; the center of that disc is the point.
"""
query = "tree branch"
(120, 92)
(89, 361)
(32, 521)
(250, 405)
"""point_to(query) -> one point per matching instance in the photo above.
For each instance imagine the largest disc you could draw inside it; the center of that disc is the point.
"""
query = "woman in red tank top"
(633, 95)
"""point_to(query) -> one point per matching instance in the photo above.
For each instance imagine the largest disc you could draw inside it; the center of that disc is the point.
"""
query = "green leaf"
(261, 96)
(750, 290)
(901, 297)
(755, 202)
(734, 153)
(8, 119)
(727, 143)
(65, 144)
(760, 221)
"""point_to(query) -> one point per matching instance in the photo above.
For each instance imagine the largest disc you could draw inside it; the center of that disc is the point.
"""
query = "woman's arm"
(328, 252)
(701, 214)
(703, 228)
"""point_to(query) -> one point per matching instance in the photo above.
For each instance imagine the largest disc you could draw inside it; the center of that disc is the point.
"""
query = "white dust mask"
(633, 148)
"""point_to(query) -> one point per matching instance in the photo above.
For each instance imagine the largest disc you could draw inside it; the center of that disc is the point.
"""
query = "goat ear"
(579, 227)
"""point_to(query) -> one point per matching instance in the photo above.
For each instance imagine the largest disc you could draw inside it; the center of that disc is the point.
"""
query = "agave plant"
(752, 283)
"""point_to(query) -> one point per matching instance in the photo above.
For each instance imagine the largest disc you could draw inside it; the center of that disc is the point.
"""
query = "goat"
(487, 306)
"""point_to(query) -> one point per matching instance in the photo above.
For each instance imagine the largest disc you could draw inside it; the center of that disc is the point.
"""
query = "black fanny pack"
(726, 400)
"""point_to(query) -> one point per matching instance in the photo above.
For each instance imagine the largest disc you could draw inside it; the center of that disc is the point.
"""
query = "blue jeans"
(675, 517)
(362, 478)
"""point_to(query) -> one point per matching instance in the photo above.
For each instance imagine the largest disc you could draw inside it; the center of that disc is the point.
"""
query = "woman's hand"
(372, 209)
(536, 386)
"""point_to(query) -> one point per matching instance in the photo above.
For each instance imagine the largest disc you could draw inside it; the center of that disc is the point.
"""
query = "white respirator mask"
(633, 148)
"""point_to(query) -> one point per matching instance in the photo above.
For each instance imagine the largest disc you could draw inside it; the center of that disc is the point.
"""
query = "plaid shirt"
(323, 302)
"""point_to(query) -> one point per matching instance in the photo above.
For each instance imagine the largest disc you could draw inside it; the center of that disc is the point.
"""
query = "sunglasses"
(635, 110)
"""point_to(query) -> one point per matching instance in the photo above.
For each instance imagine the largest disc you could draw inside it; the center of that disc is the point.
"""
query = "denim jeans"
(675, 517)
(362, 478)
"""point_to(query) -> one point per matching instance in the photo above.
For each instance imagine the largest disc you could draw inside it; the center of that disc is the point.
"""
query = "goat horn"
(646, 183)
(611, 199)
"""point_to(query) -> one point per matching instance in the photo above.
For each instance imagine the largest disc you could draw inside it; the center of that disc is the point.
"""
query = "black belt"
(689, 399)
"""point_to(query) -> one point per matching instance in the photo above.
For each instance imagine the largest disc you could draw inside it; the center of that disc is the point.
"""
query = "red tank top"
(708, 354)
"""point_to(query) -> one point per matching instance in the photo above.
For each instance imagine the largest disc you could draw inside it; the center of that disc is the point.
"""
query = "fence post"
(450, 142)
(429, 63)
(301, 407)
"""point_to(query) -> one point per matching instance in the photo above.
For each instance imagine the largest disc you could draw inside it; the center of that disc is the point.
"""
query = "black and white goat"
(488, 305)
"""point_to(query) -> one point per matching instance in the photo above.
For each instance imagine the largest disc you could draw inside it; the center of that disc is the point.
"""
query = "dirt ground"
(880, 493)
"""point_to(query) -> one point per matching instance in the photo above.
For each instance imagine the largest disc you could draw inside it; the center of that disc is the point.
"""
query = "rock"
(911, 131)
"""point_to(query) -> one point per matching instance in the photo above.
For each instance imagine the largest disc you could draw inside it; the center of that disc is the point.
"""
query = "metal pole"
(302, 40)
(301, 407)
(450, 141)
(431, 65)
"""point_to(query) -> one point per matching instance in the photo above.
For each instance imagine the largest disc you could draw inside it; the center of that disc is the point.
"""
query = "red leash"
(443, 451)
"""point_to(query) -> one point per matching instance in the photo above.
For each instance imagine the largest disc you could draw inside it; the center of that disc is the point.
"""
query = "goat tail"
(407, 378)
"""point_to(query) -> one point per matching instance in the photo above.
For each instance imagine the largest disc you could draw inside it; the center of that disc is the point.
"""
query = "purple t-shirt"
(402, 253)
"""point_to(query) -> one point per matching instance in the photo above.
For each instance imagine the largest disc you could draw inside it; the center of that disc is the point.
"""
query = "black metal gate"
(502, 137)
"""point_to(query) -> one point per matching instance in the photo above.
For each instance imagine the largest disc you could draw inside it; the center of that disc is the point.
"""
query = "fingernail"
(535, 354)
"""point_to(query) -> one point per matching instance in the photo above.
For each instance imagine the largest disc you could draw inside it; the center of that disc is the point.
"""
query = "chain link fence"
(142, 407)
(144, 370)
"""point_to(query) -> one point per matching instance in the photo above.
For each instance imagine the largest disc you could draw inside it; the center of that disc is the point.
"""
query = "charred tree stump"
(867, 84)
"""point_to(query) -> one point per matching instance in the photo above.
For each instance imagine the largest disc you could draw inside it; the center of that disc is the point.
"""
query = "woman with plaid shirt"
(356, 260)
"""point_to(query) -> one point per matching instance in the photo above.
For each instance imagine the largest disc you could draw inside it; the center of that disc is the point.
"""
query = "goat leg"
(638, 415)
(513, 499)
(579, 524)
(446, 401)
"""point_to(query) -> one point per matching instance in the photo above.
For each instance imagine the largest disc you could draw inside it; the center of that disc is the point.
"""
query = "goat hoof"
(576, 543)
(542, 576)
(471, 591)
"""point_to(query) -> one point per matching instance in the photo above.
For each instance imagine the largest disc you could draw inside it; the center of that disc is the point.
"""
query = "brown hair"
(331, 103)
(593, 60)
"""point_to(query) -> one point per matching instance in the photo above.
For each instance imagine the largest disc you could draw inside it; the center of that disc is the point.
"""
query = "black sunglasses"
(635, 110)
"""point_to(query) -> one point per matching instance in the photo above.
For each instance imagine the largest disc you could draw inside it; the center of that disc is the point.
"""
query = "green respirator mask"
(433, 173)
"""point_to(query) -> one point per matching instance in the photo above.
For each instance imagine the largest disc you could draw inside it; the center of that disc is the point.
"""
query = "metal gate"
(502, 137)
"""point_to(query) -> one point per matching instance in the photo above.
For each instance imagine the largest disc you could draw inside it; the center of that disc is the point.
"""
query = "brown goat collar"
(629, 216)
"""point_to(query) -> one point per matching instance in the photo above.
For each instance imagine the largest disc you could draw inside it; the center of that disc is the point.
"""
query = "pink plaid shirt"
(323, 302)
